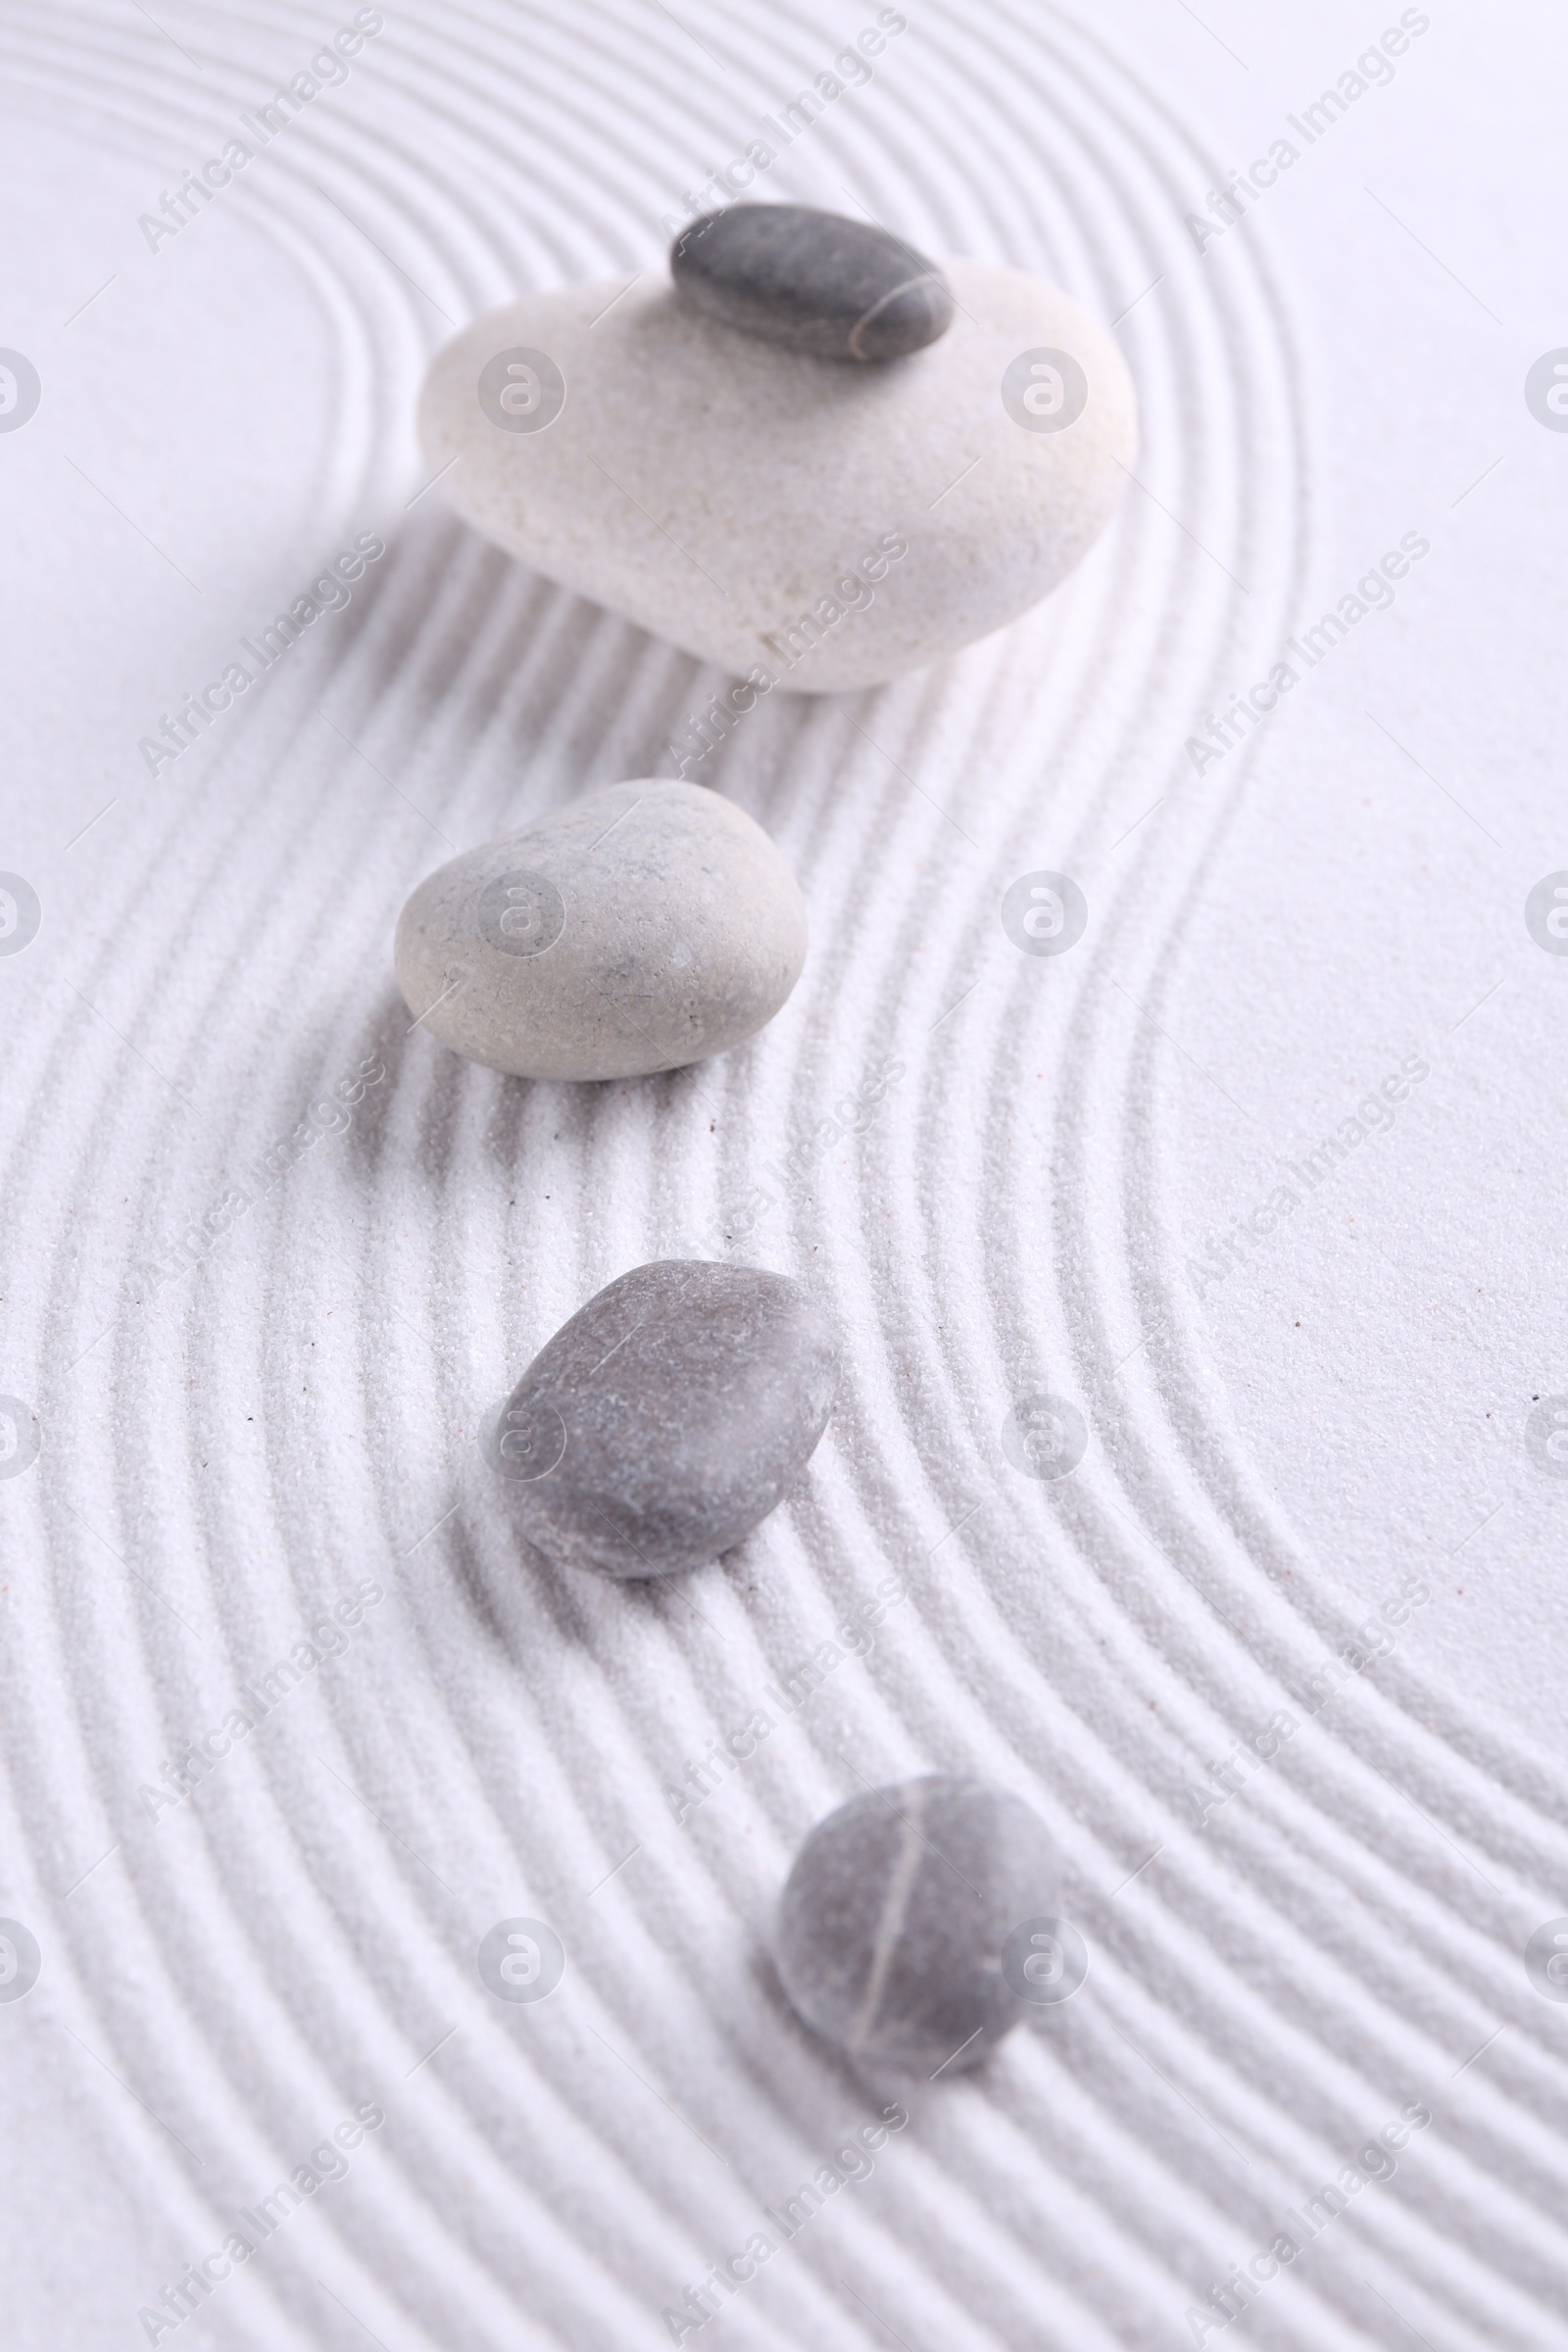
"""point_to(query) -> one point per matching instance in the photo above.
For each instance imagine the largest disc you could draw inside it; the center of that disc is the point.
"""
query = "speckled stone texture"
(743, 500)
(675, 1410)
(643, 927)
(891, 1926)
(812, 280)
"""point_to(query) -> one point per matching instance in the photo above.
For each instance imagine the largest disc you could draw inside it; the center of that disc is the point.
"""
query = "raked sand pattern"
(288, 1730)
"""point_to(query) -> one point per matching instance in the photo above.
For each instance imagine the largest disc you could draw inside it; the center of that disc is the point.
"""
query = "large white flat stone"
(750, 502)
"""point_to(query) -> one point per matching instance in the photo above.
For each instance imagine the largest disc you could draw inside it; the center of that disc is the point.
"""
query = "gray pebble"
(812, 280)
(892, 1924)
(642, 927)
(667, 1417)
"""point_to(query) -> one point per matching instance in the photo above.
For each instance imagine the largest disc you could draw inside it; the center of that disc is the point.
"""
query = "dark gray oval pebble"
(813, 280)
(667, 1417)
(892, 1924)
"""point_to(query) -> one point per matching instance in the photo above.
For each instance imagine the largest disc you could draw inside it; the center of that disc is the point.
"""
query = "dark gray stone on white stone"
(812, 280)
(892, 1921)
(680, 1404)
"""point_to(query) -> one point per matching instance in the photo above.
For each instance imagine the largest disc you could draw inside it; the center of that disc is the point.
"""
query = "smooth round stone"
(667, 1418)
(643, 927)
(892, 1924)
(812, 280)
(829, 526)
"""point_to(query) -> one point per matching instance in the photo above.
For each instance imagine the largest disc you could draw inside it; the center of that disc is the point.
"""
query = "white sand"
(228, 1451)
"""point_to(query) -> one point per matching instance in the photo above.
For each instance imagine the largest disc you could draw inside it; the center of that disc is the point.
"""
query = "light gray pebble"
(892, 1924)
(643, 927)
(814, 281)
(667, 1417)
